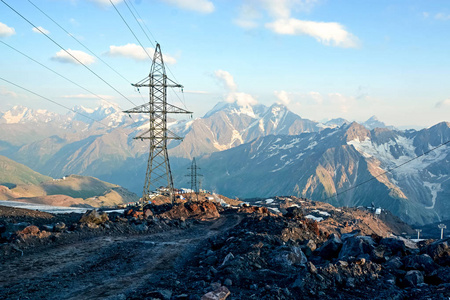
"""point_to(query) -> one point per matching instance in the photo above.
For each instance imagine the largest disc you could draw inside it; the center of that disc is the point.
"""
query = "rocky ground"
(202, 251)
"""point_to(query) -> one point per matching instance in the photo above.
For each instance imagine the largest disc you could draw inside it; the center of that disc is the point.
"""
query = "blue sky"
(323, 58)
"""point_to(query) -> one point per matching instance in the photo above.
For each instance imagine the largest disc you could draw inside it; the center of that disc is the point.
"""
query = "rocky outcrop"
(93, 218)
(205, 210)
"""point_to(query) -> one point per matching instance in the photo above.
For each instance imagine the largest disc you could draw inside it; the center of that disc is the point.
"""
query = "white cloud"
(227, 79)
(5, 30)
(442, 16)
(344, 103)
(252, 10)
(137, 53)
(88, 96)
(317, 97)
(242, 99)
(5, 92)
(196, 92)
(40, 29)
(202, 6)
(283, 8)
(248, 16)
(443, 103)
(328, 33)
(64, 57)
(283, 97)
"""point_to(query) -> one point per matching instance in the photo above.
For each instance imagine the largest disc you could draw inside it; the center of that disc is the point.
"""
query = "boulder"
(59, 227)
(356, 246)
(140, 227)
(394, 246)
(413, 278)
(439, 276)
(309, 247)
(352, 234)
(294, 212)
(133, 213)
(331, 248)
(29, 230)
(286, 258)
(378, 254)
(219, 294)
(439, 251)
(148, 213)
(93, 217)
(205, 210)
(419, 262)
(260, 210)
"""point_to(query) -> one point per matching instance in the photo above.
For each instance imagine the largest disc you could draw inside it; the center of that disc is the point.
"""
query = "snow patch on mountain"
(434, 189)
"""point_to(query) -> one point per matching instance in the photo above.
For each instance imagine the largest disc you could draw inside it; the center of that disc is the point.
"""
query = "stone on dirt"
(93, 217)
(331, 248)
(219, 294)
(205, 210)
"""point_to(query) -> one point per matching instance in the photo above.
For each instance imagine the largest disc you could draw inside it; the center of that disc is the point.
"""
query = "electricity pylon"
(158, 175)
(442, 227)
(193, 177)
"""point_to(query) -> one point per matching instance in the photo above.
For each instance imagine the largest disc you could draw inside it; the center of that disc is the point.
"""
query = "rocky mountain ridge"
(327, 165)
(301, 157)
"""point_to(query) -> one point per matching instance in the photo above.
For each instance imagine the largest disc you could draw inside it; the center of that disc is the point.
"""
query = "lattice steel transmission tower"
(193, 177)
(158, 175)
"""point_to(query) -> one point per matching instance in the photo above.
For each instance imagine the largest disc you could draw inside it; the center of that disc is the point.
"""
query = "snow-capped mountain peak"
(22, 114)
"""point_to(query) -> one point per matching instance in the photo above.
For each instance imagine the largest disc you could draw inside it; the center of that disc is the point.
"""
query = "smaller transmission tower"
(193, 177)
(158, 175)
(418, 233)
(442, 227)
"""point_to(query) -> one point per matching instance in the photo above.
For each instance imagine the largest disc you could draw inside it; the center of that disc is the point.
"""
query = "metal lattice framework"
(158, 175)
(193, 177)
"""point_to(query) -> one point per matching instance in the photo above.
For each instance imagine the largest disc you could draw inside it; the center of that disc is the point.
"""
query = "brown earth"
(167, 252)
(105, 267)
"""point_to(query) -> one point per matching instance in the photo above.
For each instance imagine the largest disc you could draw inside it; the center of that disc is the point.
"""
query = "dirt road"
(106, 267)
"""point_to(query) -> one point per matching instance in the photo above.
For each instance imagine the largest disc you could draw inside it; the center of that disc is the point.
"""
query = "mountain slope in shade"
(322, 164)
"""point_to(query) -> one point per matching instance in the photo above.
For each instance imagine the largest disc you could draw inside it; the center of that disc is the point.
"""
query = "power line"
(387, 171)
(129, 29)
(139, 23)
(62, 76)
(79, 42)
(56, 43)
(52, 101)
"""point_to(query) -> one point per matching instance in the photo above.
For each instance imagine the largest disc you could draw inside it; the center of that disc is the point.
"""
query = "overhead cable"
(78, 41)
(52, 101)
(59, 74)
(70, 54)
(385, 172)
(131, 30)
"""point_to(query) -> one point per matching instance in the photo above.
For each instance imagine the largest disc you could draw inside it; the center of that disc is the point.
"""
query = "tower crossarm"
(146, 83)
(145, 135)
(145, 108)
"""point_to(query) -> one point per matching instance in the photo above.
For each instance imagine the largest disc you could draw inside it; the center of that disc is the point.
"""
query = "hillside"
(326, 165)
(13, 173)
(20, 183)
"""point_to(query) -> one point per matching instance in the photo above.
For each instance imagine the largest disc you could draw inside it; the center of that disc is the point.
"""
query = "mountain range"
(247, 151)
